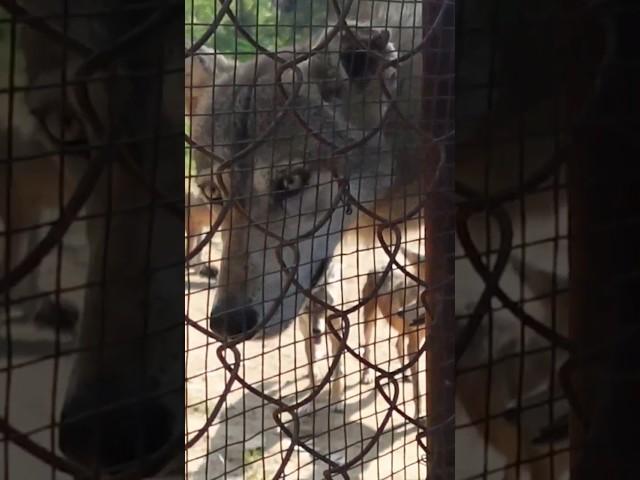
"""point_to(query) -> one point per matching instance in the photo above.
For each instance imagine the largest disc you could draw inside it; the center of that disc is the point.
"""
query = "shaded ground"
(245, 442)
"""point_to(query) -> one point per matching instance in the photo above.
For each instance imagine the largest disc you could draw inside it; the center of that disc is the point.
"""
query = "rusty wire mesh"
(512, 396)
(253, 408)
(56, 155)
(512, 253)
(521, 109)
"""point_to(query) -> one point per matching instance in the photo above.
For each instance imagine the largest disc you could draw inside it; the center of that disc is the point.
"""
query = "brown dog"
(312, 325)
(397, 294)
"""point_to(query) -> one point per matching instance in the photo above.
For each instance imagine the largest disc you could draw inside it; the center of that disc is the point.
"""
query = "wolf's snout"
(114, 439)
(233, 320)
(316, 333)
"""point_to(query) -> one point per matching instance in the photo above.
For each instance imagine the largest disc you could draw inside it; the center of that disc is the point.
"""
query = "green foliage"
(260, 19)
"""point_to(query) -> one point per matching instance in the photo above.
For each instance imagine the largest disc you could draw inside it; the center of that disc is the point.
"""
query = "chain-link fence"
(88, 101)
(524, 102)
(318, 136)
(512, 231)
(92, 263)
(319, 224)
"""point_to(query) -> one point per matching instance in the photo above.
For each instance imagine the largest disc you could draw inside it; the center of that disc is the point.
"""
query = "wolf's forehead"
(282, 156)
(268, 171)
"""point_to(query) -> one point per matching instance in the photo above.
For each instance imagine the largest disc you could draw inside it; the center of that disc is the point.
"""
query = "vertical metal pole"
(438, 67)
(584, 267)
(604, 238)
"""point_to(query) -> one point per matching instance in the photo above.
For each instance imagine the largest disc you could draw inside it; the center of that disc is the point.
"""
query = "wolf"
(293, 182)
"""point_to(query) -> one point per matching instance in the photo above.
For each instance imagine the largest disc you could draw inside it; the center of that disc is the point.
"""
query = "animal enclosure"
(305, 326)
(318, 157)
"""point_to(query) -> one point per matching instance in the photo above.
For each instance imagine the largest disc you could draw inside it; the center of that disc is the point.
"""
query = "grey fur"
(244, 107)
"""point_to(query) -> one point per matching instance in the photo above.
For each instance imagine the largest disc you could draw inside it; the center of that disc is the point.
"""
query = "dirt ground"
(244, 441)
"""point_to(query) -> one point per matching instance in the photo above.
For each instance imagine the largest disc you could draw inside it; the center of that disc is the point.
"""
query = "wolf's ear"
(200, 73)
(355, 63)
(380, 40)
(197, 76)
(359, 64)
(325, 74)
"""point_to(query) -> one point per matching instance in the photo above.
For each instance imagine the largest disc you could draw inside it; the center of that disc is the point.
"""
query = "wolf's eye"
(290, 183)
